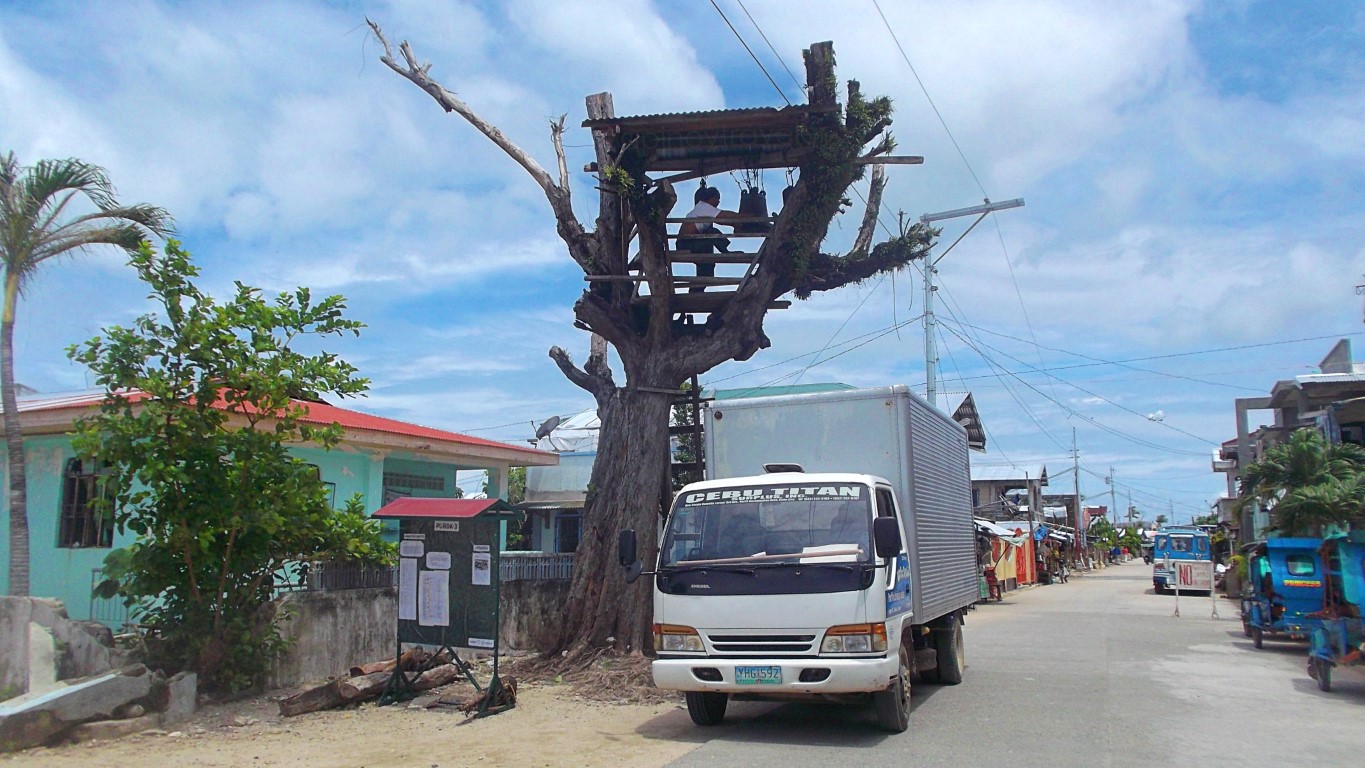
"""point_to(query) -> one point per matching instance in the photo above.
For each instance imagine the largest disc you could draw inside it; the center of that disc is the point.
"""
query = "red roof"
(443, 508)
(318, 413)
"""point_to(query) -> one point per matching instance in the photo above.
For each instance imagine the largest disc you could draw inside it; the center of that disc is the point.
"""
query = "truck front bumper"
(822, 675)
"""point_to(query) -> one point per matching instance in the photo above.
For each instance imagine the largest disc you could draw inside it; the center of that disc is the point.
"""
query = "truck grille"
(751, 644)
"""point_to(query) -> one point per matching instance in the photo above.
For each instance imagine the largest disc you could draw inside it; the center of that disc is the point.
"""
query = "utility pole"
(1113, 503)
(931, 269)
(1079, 541)
(1129, 513)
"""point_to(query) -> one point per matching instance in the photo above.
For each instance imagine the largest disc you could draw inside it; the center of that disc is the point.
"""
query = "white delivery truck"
(829, 554)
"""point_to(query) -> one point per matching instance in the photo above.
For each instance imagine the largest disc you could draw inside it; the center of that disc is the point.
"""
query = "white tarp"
(999, 531)
(576, 434)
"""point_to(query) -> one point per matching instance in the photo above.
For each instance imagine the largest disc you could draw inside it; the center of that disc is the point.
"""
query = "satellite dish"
(547, 427)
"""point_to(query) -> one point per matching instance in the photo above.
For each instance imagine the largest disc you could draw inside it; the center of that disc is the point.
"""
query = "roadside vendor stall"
(1003, 555)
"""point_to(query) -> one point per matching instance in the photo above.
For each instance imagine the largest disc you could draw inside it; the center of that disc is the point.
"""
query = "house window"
(329, 488)
(414, 482)
(566, 532)
(81, 524)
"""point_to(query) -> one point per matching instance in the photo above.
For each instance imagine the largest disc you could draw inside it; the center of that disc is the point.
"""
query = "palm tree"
(35, 226)
(1307, 482)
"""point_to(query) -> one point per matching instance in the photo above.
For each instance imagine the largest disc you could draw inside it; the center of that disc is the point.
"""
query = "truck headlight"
(855, 638)
(677, 638)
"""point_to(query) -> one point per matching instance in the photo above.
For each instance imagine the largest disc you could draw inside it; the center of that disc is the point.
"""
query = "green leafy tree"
(1161, 520)
(37, 224)
(686, 449)
(1308, 483)
(1102, 532)
(203, 401)
(518, 534)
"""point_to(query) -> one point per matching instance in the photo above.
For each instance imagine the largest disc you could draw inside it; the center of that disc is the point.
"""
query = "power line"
(1028, 323)
(1068, 409)
(836, 333)
(751, 52)
(800, 87)
(1181, 354)
(930, 99)
(1112, 362)
(1102, 397)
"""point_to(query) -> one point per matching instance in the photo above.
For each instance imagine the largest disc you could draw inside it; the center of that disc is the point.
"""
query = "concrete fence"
(332, 631)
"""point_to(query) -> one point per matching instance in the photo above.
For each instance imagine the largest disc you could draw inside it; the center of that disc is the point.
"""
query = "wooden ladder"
(687, 301)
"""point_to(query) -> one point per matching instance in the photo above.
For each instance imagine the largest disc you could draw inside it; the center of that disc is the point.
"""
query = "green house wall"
(66, 573)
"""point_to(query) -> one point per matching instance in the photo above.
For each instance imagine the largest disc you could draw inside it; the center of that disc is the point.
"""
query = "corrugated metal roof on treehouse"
(715, 141)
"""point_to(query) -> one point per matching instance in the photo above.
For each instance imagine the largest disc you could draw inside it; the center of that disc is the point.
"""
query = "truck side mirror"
(886, 536)
(627, 556)
(625, 548)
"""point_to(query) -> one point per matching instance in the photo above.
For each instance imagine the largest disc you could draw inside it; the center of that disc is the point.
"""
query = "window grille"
(417, 482)
(81, 524)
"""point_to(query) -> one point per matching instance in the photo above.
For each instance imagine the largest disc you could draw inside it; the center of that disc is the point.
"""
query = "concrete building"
(1331, 401)
(378, 458)
(1000, 493)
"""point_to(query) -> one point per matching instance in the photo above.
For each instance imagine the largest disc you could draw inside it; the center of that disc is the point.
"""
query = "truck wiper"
(838, 566)
(669, 570)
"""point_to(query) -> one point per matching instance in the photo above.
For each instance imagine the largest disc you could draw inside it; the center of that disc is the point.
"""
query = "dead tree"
(632, 301)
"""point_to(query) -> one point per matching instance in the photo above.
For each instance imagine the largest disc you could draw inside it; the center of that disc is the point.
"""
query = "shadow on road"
(802, 724)
(1345, 686)
(1272, 645)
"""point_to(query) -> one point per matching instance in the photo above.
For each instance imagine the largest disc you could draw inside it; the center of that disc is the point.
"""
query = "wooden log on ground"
(365, 687)
(324, 696)
(437, 677)
(411, 659)
(360, 688)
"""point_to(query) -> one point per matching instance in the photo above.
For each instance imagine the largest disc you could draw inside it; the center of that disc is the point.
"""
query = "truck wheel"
(707, 708)
(893, 704)
(1257, 637)
(1324, 675)
(951, 661)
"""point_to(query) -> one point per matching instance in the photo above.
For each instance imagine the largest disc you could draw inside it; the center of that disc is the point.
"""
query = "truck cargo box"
(885, 431)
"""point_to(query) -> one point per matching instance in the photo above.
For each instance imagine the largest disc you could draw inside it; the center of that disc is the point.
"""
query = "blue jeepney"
(1182, 549)
(1338, 636)
(1284, 587)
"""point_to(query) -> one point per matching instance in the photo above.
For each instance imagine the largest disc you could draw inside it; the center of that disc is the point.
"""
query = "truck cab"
(791, 585)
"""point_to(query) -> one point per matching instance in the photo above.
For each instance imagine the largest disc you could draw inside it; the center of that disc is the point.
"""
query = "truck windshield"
(774, 523)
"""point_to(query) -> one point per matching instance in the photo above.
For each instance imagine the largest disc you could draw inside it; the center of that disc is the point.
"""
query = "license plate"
(758, 675)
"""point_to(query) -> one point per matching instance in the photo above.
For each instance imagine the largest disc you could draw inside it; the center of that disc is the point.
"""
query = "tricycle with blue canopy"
(1285, 586)
(1338, 636)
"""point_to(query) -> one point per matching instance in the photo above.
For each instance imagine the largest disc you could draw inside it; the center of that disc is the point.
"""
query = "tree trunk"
(657, 352)
(629, 476)
(14, 442)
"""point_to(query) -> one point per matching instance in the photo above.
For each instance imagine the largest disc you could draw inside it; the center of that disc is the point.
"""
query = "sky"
(1193, 175)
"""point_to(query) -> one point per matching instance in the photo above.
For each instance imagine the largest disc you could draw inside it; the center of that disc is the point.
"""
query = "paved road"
(1095, 672)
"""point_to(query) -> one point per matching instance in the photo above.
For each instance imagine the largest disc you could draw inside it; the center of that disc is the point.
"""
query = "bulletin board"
(447, 582)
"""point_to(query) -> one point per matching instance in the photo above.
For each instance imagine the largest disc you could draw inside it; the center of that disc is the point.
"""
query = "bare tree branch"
(557, 136)
(417, 73)
(583, 246)
(598, 386)
(874, 204)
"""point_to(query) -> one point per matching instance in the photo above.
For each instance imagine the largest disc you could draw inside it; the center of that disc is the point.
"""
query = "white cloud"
(1164, 210)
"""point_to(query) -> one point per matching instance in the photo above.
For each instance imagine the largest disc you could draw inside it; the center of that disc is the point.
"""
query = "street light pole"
(931, 268)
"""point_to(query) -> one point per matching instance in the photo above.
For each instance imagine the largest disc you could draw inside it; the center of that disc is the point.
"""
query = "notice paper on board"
(483, 569)
(407, 589)
(433, 599)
